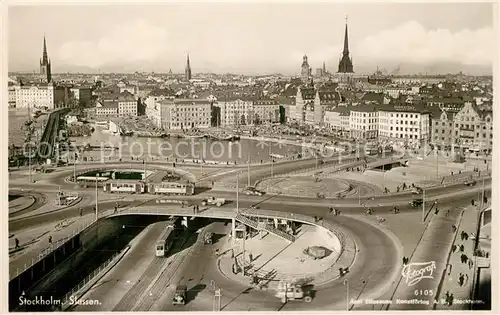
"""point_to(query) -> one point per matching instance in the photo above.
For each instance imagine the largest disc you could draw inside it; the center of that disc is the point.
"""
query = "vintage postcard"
(250, 156)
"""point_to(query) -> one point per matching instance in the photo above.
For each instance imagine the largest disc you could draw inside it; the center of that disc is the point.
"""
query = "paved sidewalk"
(417, 293)
(452, 281)
(39, 243)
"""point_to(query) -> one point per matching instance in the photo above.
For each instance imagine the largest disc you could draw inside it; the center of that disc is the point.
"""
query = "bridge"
(47, 145)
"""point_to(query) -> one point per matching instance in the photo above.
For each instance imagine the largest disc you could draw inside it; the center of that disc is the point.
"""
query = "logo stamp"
(413, 273)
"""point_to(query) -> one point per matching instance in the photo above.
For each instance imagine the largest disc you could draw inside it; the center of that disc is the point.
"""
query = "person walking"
(450, 300)
(466, 236)
(453, 248)
(461, 279)
(16, 240)
(81, 212)
(50, 239)
(462, 247)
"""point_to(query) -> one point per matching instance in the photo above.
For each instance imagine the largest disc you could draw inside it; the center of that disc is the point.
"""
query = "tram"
(166, 239)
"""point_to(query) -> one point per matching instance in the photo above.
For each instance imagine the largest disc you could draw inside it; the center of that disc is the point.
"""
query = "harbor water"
(112, 147)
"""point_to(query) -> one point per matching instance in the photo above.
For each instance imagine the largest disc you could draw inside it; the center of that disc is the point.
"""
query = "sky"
(253, 38)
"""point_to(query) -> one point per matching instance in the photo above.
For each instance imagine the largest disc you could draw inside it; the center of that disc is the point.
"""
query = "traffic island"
(313, 259)
(311, 186)
(19, 203)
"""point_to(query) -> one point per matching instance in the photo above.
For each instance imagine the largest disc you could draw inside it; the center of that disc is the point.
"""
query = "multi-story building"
(474, 128)
(311, 104)
(35, 95)
(183, 114)
(266, 110)
(406, 123)
(236, 111)
(127, 104)
(363, 122)
(469, 128)
(12, 94)
(337, 120)
(106, 109)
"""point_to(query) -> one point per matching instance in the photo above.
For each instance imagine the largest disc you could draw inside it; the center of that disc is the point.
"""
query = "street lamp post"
(248, 184)
(346, 283)
(423, 205)
(437, 163)
(96, 199)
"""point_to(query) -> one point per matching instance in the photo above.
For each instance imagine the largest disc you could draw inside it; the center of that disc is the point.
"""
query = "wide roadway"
(312, 206)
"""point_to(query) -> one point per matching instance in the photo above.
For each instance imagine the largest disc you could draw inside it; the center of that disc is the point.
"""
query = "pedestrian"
(436, 211)
(471, 264)
(453, 228)
(462, 248)
(472, 202)
(461, 279)
(447, 295)
(466, 278)
(450, 303)
(449, 271)
(17, 242)
(250, 256)
(453, 248)
(466, 236)
(404, 260)
(50, 239)
(81, 212)
(462, 235)
(447, 212)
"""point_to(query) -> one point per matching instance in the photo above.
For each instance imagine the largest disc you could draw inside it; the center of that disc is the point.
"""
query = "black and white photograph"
(278, 156)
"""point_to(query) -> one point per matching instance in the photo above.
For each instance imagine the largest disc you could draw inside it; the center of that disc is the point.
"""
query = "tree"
(243, 120)
(256, 120)
(282, 114)
(215, 116)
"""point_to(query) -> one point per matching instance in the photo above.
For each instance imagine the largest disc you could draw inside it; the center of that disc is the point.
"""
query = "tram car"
(172, 188)
(166, 240)
(125, 186)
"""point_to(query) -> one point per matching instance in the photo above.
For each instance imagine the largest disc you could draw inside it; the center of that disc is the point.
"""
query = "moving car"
(470, 182)
(213, 201)
(416, 202)
(252, 191)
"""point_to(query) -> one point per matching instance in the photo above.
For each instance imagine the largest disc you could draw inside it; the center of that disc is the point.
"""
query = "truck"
(213, 201)
(290, 292)
(180, 295)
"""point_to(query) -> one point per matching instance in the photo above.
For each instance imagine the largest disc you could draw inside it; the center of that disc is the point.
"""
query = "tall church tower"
(305, 72)
(187, 72)
(345, 63)
(45, 70)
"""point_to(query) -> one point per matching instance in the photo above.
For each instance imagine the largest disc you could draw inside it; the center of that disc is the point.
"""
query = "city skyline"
(447, 39)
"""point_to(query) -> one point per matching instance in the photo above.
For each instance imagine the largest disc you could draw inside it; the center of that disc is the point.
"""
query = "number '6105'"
(423, 292)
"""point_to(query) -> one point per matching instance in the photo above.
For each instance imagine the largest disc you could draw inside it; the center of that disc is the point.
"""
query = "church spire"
(345, 63)
(187, 72)
(45, 58)
(346, 40)
(45, 70)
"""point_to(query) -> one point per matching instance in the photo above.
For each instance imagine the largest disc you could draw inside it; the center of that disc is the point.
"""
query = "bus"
(166, 239)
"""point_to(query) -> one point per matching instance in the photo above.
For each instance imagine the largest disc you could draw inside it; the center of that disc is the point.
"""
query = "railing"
(52, 247)
(299, 218)
(279, 233)
(94, 273)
